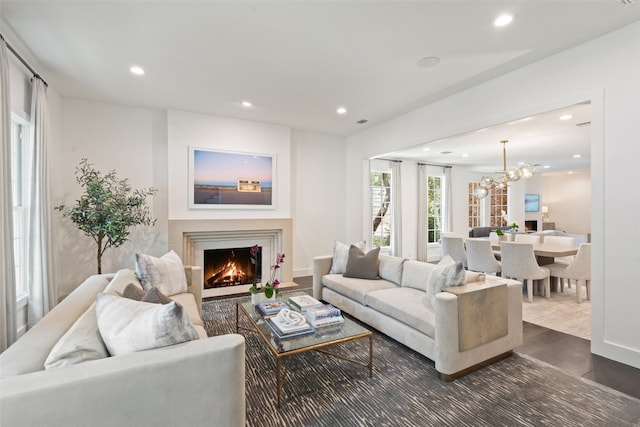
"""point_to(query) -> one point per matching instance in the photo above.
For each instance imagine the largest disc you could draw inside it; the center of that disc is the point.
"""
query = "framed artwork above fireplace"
(231, 180)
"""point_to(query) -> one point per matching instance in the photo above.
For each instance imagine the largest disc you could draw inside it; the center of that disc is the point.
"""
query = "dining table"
(546, 253)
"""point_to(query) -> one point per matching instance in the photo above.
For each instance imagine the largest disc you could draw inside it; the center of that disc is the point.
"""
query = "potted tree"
(108, 208)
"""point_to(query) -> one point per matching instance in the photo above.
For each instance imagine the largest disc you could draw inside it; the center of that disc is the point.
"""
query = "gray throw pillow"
(133, 292)
(361, 265)
(341, 256)
(154, 296)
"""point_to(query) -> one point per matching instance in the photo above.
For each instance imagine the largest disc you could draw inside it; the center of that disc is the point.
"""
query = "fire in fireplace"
(230, 267)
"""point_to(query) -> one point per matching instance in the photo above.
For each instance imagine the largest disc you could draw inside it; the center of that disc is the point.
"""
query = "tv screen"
(532, 203)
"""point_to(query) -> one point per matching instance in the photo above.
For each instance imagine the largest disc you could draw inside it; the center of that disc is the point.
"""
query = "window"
(19, 162)
(381, 208)
(499, 199)
(434, 208)
(475, 219)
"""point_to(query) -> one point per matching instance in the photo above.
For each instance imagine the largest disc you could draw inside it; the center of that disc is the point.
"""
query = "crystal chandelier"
(506, 175)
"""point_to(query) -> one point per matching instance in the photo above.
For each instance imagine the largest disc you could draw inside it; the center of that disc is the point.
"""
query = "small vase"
(257, 298)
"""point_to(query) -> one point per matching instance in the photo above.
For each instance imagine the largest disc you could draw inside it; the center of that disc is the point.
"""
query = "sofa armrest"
(448, 358)
(321, 266)
(194, 284)
(194, 383)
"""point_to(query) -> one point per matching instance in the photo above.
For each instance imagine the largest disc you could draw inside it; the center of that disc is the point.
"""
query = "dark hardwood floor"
(568, 353)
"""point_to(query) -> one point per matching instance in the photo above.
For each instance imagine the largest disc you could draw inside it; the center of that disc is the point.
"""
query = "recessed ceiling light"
(570, 172)
(546, 167)
(426, 149)
(502, 20)
(247, 104)
(138, 71)
(577, 156)
(565, 117)
(341, 110)
(428, 62)
(465, 155)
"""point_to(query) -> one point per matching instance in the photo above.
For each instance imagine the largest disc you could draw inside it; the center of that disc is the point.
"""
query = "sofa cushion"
(81, 343)
(361, 265)
(356, 289)
(188, 302)
(416, 273)
(390, 268)
(121, 280)
(406, 305)
(341, 256)
(165, 273)
(128, 326)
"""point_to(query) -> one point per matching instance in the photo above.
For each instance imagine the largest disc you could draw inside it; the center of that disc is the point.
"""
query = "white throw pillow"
(81, 343)
(341, 256)
(128, 326)
(165, 273)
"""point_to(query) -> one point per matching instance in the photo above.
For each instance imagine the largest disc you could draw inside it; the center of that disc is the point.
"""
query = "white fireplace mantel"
(188, 237)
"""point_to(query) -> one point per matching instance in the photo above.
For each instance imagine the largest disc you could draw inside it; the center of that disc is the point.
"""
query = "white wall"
(131, 141)
(318, 187)
(603, 71)
(204, 131)
(569, 200)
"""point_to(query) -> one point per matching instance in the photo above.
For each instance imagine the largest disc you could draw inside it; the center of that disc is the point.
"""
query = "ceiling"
(546, 141)
(296, 61)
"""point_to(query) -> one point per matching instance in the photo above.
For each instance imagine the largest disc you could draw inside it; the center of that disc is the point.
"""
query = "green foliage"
(108, 208)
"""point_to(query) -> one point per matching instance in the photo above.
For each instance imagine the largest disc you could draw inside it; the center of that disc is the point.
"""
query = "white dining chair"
(519, 262)
(480, 257)
(564, 241)
(527, 238)
(454, 247)
(495, 241)
(579, 270)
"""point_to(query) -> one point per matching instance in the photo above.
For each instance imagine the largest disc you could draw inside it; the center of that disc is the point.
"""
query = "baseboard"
(302, 272)
(476, 367)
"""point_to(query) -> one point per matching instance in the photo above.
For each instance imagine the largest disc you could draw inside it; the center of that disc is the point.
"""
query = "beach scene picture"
(227, 179)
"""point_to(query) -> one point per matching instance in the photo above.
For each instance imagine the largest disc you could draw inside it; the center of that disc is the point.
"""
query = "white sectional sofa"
(195, 383)
(398, 305)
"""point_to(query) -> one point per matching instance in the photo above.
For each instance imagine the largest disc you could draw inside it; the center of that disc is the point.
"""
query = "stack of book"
(324, 315)
(286, 324)
(302, 303)
(269, 308)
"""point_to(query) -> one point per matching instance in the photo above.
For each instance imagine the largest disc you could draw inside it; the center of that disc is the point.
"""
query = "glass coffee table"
(319, 340)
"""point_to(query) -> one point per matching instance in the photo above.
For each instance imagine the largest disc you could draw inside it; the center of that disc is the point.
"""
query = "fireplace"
(231, 267)
(531, 225)
(192, 238)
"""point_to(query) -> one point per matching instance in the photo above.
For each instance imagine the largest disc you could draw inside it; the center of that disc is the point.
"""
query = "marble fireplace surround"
(189, 238)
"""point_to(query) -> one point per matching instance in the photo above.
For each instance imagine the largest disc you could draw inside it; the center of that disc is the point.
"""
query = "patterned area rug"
(324, 391)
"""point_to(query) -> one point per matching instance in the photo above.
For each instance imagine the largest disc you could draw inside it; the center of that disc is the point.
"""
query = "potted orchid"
(270, 288)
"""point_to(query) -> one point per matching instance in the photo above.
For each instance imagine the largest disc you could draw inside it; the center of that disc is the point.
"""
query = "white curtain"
(422, 212)
(41, 290)
(7, 263)
(446, 201)
(396, 204)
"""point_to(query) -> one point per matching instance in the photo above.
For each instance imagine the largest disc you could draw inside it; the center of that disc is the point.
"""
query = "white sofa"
(193, 383)
(397, 305)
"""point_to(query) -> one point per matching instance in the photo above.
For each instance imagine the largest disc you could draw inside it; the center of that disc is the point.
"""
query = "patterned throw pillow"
(165, 273)
(444, 277)
(127, 326)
